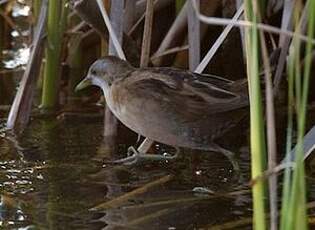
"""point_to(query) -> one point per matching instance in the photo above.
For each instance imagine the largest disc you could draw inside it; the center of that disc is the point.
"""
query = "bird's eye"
(93, 72)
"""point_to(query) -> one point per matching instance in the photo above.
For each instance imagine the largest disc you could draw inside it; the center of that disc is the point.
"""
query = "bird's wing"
(184, 93)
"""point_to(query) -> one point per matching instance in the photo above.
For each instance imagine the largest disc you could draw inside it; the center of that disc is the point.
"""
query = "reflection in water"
(19, 51)
(11, 213)
(54, 174)
(16, 58)
(20, 10)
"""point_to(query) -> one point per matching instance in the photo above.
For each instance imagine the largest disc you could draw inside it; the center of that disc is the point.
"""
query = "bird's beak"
(83, 84)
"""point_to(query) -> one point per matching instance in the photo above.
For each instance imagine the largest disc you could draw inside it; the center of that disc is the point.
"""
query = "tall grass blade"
(294, 191)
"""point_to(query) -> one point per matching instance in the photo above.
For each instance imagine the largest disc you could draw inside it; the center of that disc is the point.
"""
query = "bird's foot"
(134, 157)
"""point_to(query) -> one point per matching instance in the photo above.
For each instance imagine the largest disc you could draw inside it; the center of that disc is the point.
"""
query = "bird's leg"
(139, 155)
(230, 155)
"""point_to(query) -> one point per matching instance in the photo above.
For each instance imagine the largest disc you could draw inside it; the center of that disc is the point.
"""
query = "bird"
(169, 105)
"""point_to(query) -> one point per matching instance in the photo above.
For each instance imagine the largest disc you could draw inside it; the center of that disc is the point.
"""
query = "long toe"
(136, 157)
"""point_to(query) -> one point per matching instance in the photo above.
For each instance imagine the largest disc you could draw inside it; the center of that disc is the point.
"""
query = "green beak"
(83, 84)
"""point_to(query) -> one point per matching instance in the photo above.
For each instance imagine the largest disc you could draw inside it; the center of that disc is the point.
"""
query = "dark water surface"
(55, 173)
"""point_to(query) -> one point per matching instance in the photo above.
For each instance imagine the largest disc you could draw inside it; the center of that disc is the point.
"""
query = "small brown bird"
(169, 105)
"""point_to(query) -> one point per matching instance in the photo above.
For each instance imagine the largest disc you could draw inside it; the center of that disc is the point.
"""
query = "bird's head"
(104, 71)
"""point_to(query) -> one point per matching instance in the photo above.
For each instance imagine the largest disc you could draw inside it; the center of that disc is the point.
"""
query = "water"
(55, 173)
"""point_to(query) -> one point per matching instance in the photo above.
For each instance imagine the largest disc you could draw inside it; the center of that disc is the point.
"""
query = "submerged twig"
(153, 215)
(121, 199)
(180, 200)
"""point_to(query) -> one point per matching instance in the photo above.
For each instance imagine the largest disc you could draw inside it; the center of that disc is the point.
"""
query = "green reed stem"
(258, 148)
(286, 193)
(294, 200)
(57, 17)
(36, 8)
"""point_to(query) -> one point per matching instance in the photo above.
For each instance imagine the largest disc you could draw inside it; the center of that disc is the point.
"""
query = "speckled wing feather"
(189, 94)
(177, 107)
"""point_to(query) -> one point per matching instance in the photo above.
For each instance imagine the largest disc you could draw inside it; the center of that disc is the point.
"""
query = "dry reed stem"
(123, 198)
(203, 64)
(111, 32)
(243, 23)
(21, 108)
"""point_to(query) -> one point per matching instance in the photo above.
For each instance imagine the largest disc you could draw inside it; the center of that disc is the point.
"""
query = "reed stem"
(257, 132)
(294, 202)
(57, 18)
